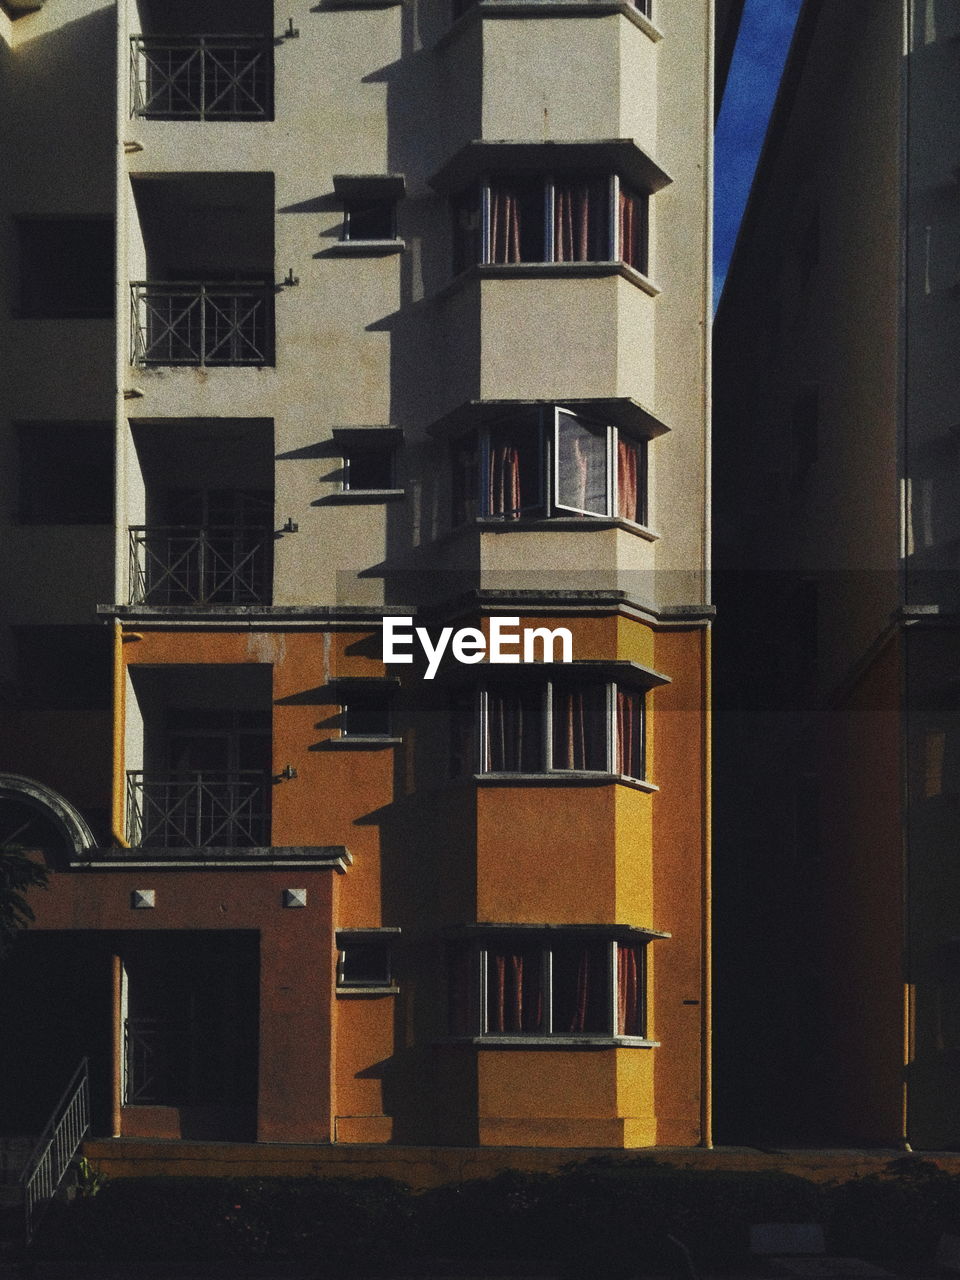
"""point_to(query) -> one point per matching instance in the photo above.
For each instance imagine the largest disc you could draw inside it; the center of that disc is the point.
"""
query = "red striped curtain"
(633, 230)
(629, 990)
(514, 989)
(581, 220)
(630, 733)
(504, 224)
(629, 472)
(503, 481)
(514, 731)
(579, 728)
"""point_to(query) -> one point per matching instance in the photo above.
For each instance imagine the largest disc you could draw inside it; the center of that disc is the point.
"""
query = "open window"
(365, 961)
(369, 211)
(550, 462)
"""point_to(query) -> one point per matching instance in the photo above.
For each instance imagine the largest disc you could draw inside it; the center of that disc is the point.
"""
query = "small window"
(369, 467)
(370, 219)
(365, 959)
(65, 472)
(66, 268)
(366, 715)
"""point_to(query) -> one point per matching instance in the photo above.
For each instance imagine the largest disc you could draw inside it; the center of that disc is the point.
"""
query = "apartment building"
(836, 477)
(408, 321)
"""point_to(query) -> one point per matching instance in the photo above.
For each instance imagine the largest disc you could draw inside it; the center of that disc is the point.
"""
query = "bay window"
(568, 983)
(552, 219)
(549, 462)
(562, 725)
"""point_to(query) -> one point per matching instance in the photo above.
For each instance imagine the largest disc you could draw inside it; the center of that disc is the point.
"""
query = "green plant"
(89, 1179)
(18, 872)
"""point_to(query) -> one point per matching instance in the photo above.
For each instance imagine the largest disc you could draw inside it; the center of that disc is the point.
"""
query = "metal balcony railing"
(201, 77)
(154, 1062)
(201, 323)
(194, 810)
(221, 564)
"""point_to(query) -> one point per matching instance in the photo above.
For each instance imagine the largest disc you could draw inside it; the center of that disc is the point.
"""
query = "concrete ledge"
(433, 1166)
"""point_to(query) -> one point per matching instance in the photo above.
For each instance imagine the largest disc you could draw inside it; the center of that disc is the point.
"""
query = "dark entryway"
(190, 1023)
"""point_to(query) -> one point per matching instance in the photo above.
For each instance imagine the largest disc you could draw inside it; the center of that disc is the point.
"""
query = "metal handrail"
(211, 564)
(201, 322)
(201, 77)
(60, 1141)
(194, 809)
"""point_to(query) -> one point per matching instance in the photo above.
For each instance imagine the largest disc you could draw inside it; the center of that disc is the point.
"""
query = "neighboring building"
(837, 410)
(410, 319)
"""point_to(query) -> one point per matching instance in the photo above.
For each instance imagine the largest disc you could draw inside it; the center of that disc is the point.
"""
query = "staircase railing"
(58, 1144)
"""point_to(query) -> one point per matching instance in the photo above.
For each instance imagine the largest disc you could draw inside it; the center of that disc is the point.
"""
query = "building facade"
(408, 319)
(836, 474)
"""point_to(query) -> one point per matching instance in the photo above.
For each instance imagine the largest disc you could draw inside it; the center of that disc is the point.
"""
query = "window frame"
(477, 206)
(350, 206)
(478, 949)
(388, 448)
(547, 435)
(384, 936)
(481, 730)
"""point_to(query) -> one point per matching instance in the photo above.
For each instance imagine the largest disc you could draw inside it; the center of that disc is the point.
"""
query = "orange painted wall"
(428, 853)
(679, 862)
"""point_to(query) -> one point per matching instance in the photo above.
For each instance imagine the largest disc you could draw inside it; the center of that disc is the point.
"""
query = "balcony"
(202, 323)
(198, 810)
(178, 565)
(209, 77)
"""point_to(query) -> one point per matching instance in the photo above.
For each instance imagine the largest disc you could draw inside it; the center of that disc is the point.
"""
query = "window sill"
(564, 778)
(563, 524)
(544, 271)
(541, 270)
(553, 1042)
(364, 495)
(362, 740)
(391, 990)
(364, 248)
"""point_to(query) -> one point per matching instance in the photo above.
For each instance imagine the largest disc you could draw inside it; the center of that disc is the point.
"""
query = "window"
(66, 267)
(365, 960)
(564, 218)
(366, 713)
(534, 983)
(369, 211)
(369, 466)
(369, 219)
(563, 725)
(65, 472)
(549, 463)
